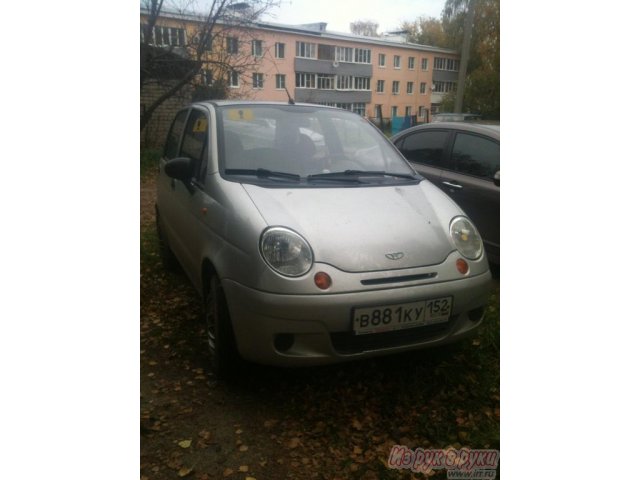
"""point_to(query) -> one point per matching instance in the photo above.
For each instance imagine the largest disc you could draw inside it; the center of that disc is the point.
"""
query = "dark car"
(463, 160)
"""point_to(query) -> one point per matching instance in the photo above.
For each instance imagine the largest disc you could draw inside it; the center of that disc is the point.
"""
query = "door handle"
(455, 186)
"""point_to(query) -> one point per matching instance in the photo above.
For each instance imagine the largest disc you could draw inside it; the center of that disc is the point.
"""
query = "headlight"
(466, 238)
(286, 252)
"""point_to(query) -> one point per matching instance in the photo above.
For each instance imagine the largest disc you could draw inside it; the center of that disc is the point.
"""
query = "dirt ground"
(335, 422)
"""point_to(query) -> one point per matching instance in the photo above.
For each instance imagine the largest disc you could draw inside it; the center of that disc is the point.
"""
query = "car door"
(470, 182)
(188, 199)
(426, 150)
(168, 211)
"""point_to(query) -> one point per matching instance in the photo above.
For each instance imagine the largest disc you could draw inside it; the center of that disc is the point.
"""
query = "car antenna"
(291, 102)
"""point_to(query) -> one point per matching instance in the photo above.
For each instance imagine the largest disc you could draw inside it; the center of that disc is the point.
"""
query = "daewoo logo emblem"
(394, 256)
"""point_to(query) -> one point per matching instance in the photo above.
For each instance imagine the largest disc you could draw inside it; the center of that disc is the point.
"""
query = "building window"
(344, 82)
(435, 108)
(305, 80)
(256, 48)
(362, 55)
(305, 50)
(422, 112)
(395, 87)
(394, 111)
(232, 45)
(279, 50)
(407, 111)
(396, 61)
(444, 87)
(280, 81)
(448, 64)
(380, 86)
(207, 77)
(423, 88)
(168, 36)
(326, 82)
(234, 81)
(361, 83)
(425, 64)
(258, 80)
(359, 108)
(411, 63)
(410, 88)
(344, 54)
(382, 59)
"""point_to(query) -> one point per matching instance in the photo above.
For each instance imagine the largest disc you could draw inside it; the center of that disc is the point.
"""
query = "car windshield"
(305, 144)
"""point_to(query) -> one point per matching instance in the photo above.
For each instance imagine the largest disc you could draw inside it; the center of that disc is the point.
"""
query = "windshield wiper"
(362, 173)
(262, 173)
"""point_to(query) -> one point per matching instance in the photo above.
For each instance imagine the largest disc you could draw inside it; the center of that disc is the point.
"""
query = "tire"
(169, 260)
(221, 342)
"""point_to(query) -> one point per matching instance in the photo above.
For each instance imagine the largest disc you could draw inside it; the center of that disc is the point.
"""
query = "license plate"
(401, 316)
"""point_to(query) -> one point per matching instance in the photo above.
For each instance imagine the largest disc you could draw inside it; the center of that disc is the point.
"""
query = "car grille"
(349, 343)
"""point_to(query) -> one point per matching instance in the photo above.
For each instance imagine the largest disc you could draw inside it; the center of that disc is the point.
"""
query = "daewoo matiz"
(311, 239)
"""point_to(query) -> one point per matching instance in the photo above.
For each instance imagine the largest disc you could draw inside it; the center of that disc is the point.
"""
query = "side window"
(426, 147)
(476, 155)
(194, 144)
(173, 138)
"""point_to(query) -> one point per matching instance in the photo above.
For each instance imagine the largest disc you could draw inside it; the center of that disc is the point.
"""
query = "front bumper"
(318, 328)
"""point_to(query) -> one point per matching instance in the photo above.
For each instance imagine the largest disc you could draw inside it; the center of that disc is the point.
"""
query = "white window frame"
(409, 88)
(308, 80)
(394, 111)
(306, 50)
(258, 80)
(382, 60)
(411, 63)
(362, 55)
(283, 77)
(325, 81)
(341, 80)
(395, 87)
(423, 88)
(344, 54)
(233, 75)
(397, 62)
(424, 64)
(254, 48)
(380, 86)
(362, 83)
(277, 49)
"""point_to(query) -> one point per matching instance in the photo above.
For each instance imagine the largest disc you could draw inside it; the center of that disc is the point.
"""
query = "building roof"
(316, 30)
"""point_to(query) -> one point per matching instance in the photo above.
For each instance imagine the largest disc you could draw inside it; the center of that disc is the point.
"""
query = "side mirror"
(496, 178)
(179, 168)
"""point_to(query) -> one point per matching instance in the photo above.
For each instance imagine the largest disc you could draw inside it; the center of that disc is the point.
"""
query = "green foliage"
(482, 86)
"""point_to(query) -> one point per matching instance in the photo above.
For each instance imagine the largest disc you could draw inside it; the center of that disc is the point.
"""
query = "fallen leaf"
(243, 468)
(243, 448)
(184, 471)
(227, 472)
(294, 442)
(185, 443)
(238, 431)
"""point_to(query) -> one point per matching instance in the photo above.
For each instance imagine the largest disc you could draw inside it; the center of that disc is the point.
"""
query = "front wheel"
(220, 339)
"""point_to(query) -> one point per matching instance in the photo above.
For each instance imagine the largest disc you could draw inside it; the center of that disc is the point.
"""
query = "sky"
(388, 14)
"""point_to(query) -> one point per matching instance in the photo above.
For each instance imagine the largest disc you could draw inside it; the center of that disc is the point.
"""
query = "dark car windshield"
(306, 142)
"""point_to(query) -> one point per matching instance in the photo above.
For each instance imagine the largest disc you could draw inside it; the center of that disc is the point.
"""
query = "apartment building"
(372, 76)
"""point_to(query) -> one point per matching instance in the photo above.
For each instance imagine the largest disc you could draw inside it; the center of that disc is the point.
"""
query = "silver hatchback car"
(311, 239)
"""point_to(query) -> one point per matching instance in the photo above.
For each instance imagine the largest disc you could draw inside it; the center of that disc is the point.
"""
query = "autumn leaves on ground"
(337, 422)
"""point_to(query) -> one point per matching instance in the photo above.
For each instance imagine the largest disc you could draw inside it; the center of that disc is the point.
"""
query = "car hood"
(365, 228)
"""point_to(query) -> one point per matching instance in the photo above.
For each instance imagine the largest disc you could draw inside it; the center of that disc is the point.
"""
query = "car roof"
(492, 131)
(244, 103)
